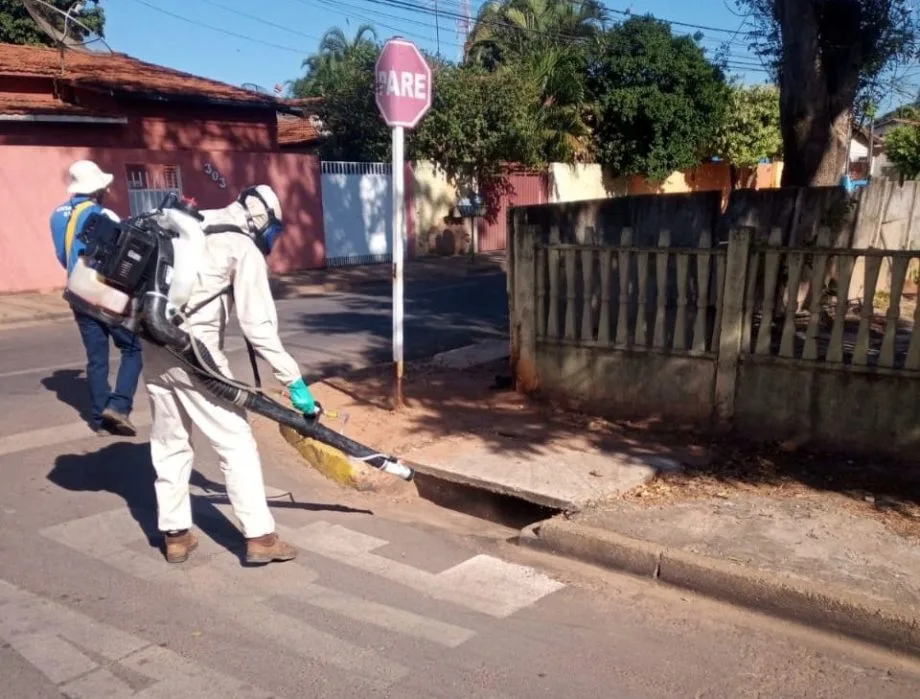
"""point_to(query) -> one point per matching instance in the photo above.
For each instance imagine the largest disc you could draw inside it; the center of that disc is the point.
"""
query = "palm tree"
(508, 29)
(334, 52)
(548, 40)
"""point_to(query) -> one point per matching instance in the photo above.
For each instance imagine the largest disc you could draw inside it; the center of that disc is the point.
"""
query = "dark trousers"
(96, 341)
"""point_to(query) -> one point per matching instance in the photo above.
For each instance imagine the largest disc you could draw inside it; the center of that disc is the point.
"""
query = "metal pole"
(399, 209)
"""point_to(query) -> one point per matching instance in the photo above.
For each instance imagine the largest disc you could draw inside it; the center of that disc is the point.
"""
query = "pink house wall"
(33, 183)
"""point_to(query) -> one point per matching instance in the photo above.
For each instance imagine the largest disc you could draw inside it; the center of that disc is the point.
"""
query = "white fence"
(357, 208)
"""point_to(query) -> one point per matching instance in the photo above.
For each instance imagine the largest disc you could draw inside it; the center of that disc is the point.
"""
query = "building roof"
(122, 74)
(296, 131)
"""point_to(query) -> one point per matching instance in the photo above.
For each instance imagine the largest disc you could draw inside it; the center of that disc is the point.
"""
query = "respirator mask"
(263, 236)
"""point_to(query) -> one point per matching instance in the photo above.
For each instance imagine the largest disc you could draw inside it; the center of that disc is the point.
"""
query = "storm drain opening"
(498, 508)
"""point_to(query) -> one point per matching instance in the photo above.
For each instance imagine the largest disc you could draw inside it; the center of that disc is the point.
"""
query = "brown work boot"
(179, 545)
(268, 548)
(117, 423)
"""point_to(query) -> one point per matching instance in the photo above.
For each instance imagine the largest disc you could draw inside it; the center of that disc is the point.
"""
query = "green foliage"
(750, 131)
(479, 123)
(544, 41)
(18, 27)
(659, 100)
(349, 112)
(902, 147)
(326, 68)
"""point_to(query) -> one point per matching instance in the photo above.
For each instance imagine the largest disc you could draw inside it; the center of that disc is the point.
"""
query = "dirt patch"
(883, 491)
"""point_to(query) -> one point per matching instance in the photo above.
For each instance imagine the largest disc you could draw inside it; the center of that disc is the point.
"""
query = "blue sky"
(176, 33)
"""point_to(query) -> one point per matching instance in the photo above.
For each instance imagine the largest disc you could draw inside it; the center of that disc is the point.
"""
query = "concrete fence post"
(522, 297)
(732, 324)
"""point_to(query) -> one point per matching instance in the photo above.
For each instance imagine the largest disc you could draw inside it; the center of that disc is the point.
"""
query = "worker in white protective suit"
(233, 272)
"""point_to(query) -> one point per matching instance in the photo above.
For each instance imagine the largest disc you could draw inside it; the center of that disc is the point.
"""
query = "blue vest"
(67, 223)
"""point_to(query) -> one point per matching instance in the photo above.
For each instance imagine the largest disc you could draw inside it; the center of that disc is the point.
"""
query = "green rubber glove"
(301, 397)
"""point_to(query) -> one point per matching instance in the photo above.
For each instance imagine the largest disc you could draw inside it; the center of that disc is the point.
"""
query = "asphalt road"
(389, 598)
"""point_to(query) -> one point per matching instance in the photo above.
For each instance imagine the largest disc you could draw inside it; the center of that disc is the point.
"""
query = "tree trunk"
(814, 107)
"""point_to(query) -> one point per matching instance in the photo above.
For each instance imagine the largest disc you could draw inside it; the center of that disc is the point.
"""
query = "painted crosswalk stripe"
(486, 584)
(52, 638)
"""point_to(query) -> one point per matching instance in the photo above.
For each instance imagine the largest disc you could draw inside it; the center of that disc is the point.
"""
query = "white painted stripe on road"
(483, 583)
(42, 631)
(60, 434)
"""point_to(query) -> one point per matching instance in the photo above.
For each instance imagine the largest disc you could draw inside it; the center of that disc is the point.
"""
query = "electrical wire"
(220, 30)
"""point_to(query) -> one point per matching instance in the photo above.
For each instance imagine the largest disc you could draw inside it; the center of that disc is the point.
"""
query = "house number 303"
(215, 175)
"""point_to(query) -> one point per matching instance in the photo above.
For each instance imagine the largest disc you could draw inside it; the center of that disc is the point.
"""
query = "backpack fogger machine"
(139, 274)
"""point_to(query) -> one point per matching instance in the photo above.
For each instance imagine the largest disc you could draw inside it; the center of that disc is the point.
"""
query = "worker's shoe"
(268, 548)
(117, 423)
(179, 545)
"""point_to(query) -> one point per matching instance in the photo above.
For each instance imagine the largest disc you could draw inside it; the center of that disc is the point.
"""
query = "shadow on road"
(125, 469)
(70, 387)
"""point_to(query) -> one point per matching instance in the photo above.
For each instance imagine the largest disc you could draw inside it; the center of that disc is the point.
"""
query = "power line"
(219, 30)
(258, 19)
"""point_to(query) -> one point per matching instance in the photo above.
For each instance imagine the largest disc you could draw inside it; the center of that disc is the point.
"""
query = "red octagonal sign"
(403, 83)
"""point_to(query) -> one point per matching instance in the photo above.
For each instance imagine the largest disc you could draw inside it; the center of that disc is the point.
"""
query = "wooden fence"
(754, 334)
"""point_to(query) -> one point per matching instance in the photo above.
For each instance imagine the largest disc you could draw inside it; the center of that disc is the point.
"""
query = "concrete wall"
(698, 330)
(867, 411)
(34, 178)
(581, 182)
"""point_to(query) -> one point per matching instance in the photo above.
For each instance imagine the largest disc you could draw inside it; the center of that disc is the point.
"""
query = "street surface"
(388, 598)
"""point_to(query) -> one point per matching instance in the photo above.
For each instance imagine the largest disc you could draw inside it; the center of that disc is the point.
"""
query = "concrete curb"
(807, 602)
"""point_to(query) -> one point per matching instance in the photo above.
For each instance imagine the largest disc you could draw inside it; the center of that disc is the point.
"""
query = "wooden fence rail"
(631, 297)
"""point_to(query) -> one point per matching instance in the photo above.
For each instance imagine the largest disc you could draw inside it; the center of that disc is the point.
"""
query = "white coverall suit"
(178, 400)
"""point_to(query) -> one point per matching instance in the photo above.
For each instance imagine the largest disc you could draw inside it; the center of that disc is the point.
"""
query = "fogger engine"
(139, 274)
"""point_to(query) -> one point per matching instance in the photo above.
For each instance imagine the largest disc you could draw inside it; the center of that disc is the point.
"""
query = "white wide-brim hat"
(87, 178)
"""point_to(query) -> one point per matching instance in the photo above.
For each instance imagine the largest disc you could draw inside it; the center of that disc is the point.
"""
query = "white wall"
(357, 212)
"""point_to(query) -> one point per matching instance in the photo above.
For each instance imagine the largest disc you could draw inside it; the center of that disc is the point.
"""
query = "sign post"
(403, 92)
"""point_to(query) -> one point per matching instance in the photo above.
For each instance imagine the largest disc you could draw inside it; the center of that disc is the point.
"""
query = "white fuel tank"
(85, 283)
(188, 249)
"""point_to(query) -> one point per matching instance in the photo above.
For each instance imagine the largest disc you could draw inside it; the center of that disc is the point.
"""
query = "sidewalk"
(812, 538)
(26, 309)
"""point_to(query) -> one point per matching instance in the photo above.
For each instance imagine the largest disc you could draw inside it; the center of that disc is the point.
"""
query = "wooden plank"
(750, 299)
(659, 338)
(771, 269)
(541, 292)
(622, 338)
(641, 325)
(861, 353)
(703, 260)
(787, 344)
(552, 324)
(818, 272)
(603, 332)
(721, 263)
(731, 291)
(587, 309)
(570, 294)
(680, 323)
(845, 264)
(893, 316)
(913, 351)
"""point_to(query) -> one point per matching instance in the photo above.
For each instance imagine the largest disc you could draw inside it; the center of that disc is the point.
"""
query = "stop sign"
(403, 84)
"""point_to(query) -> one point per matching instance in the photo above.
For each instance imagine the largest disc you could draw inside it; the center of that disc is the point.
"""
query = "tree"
(349, 112)
(480, 122)
(17, 26)
(826, 55)
(546, 40)
(325, 67)
(659, 100)
(750, 131)
(902, 147)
